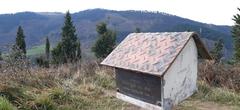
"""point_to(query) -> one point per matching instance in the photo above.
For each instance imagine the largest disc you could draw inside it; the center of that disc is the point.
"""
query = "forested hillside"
(39, 25)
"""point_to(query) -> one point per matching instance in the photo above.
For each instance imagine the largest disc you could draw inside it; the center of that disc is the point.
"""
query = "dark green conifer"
(1, 58)
(101, 28)
(20, 41)
(78, 53)
(217, 51)
(68, 46)
(47, 48)
(106, 41)
(236, 36)
(138, 30)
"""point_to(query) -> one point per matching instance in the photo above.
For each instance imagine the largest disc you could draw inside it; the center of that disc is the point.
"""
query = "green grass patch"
(5, 104)
(36, 50)
(33, 51)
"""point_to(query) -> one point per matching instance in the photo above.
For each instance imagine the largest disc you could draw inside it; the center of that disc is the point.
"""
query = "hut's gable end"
(180, 79)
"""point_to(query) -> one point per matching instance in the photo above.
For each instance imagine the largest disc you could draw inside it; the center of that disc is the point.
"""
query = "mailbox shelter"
(157, 70)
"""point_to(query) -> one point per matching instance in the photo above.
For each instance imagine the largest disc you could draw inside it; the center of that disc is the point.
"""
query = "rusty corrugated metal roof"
(151, 53)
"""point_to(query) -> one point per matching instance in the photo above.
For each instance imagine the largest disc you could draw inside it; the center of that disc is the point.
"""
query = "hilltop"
(88, 86)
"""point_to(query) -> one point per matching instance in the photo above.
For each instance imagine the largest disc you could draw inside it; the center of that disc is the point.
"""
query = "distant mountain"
(39, 25)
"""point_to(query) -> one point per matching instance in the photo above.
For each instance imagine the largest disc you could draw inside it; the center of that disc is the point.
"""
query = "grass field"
(40, 50)
(31, 52)
(36, 50)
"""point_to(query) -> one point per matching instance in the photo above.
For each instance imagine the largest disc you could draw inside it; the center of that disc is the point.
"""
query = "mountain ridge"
(37, 25)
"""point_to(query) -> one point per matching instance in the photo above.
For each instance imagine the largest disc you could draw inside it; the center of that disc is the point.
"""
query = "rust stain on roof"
(151, 53)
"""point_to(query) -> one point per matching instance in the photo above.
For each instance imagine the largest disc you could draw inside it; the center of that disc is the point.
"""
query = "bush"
(5, 104)
(220, 75)
(42, 62)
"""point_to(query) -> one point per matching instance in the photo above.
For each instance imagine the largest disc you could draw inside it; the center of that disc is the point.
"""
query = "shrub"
(220, 75)
(42, 62)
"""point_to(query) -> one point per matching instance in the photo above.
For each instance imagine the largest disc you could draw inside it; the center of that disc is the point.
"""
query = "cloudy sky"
(208, 11)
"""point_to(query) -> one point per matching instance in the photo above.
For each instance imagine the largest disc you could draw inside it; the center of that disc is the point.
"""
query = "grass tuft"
(5, 104)
(44, 102)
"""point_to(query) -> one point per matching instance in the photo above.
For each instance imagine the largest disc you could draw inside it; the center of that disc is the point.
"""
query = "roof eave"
(151, 73)
(202, 50)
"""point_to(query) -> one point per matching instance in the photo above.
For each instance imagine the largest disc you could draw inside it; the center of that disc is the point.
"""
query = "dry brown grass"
(82, 86)
(88, 86)
(220, 75)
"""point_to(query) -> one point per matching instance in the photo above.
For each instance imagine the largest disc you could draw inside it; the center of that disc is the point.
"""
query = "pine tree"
(66, 50)
(105, 43)
(217, 51)
(47, 48)
(69, 39)
(236, 36)
(20, 41)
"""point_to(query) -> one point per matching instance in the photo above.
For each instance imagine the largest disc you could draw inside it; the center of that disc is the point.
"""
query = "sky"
(218, 12)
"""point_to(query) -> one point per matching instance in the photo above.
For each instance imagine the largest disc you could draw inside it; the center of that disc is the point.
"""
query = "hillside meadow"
(36, 50)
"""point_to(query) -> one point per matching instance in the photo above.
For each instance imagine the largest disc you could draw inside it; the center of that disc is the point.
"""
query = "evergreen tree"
(66, 50)
(106, 41)
(1, 58)
(20, 41)
(47, 48)
(217, 51)
(236, 36)
(101, 28)
(78, 53)
(138, 30)
(57, 54)
(19, 48)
